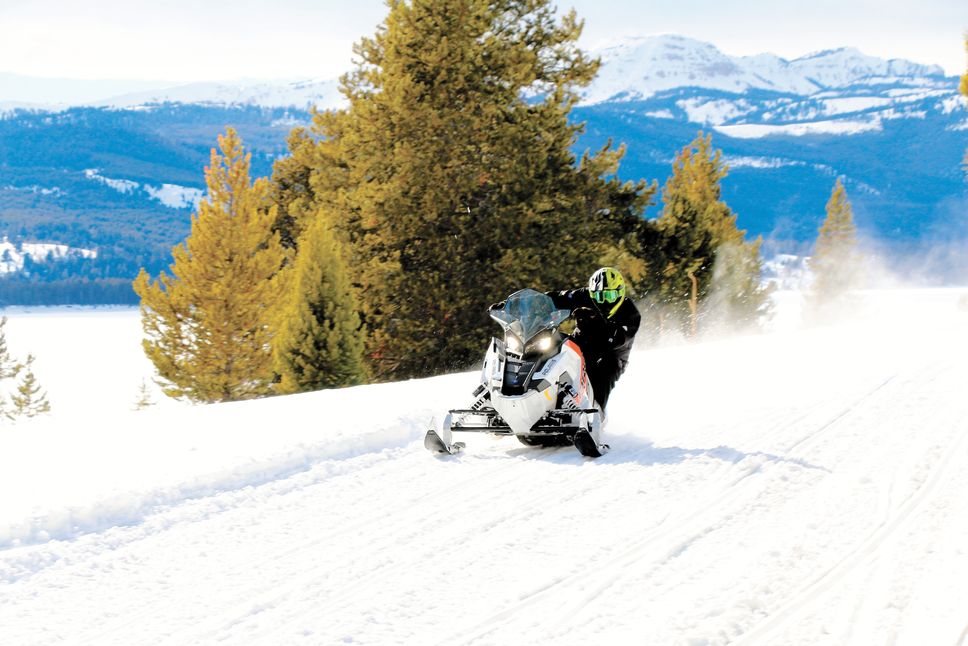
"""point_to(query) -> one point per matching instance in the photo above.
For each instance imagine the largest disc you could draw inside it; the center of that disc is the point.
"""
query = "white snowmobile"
(533, 384)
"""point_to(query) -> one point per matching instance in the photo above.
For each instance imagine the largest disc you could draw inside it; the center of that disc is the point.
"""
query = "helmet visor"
(606, 295)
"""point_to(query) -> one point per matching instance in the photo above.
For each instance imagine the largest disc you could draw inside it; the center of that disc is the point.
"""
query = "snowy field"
(806, 486)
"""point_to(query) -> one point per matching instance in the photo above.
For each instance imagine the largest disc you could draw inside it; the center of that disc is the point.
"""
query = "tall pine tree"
(835, 264)
(451, 175)
(319, 343)
(703, 251)
(207, 326)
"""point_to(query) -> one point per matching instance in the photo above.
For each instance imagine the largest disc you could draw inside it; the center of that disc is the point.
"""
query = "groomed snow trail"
(801, 487)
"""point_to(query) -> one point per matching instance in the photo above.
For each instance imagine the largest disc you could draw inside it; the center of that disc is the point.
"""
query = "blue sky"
(192, 40)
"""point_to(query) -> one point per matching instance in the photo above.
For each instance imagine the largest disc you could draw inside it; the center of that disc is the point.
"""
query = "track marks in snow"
(936, 448)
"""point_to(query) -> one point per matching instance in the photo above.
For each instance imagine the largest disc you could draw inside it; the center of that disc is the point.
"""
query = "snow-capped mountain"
(632, 69)
(322, 94)
(893, 130)
(638, 68)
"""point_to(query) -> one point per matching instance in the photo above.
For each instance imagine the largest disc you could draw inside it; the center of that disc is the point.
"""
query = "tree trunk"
(693, 305)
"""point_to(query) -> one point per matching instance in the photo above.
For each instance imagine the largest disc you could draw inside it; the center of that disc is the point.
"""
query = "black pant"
(603, 374)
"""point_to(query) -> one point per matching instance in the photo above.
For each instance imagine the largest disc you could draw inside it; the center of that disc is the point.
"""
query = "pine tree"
(207, 326)
(9, 367)
(319, 342)
(835, 264)
(144, 397)
(700, 242)
(963, 87)
(29, 400)
(451, 175)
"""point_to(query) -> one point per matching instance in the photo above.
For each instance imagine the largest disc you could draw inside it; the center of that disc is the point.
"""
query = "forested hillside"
(124, 180)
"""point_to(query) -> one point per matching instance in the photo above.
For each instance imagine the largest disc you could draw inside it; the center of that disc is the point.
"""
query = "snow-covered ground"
(806, 486)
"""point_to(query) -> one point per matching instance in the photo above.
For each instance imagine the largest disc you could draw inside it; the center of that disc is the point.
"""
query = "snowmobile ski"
(434, 444)
(587, 445)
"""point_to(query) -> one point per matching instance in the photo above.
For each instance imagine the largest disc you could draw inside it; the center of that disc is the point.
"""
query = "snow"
(712, 112)
(33, 188)
(171, 195)
(756, 130)
(952, 104)
(637, 68)
(176, 197)
(804, 486)
(12, 256)
(120, 185)
(321, 94)
(848, 104)
(742, 161)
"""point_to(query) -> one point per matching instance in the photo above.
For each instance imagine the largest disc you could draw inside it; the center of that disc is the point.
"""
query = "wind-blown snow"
(801, 487)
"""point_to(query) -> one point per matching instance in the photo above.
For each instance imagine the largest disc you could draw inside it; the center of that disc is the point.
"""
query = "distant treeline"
(71, 291)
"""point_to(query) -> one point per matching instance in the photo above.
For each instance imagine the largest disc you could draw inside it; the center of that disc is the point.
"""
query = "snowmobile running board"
(559, 422)
(485, 422)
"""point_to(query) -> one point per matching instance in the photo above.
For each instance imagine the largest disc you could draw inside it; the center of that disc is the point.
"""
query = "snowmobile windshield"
(528, 312)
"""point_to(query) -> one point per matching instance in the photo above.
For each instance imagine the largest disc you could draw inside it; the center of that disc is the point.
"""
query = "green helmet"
(607, 289)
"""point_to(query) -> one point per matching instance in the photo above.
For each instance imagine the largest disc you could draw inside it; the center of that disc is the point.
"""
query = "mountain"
(638, 68)
(323, 95)
(120, 174)
(816, 496)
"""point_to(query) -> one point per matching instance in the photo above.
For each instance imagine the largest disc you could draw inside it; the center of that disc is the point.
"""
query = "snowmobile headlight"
(513, 343)
(541, 344)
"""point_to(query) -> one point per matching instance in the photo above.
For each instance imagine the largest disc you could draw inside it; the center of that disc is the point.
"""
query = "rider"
(606, 326)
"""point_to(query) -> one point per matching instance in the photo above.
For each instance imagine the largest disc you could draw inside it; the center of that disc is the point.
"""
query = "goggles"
(606, 295)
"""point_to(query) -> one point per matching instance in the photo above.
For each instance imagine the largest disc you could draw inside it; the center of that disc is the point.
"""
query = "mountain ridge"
(659, 54)
(122, 179)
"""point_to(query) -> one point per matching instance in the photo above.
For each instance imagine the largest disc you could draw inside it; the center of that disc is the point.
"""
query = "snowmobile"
(533, 384)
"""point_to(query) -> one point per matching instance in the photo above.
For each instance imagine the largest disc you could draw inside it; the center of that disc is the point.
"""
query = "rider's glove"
(587, 321)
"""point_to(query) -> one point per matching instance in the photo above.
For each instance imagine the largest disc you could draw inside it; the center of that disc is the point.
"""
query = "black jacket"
(606, 342)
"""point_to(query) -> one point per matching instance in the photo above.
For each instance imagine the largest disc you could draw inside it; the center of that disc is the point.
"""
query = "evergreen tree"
(835, 263)
(9, 367)
(207, 326)
(144, 397)
(29, 400)
(700, 241)
(451, 176)
(963, 87)
(319, 343)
